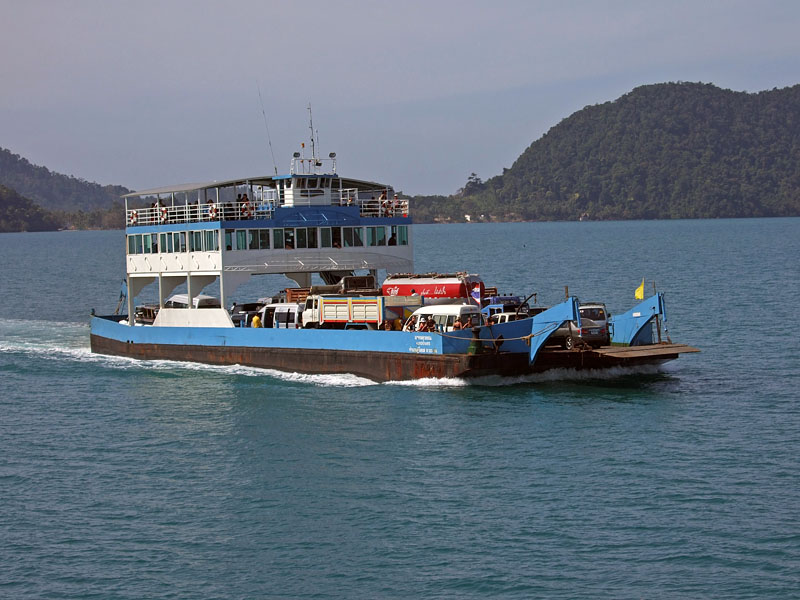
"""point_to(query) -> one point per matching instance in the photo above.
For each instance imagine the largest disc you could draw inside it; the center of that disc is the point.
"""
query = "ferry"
(313, 221)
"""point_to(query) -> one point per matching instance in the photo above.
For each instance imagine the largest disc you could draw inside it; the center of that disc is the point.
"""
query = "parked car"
(182, 301)
(597, 312)
(593, 330)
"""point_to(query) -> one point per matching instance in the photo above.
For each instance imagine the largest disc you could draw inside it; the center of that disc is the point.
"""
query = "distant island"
(663, 151)
(33, 198)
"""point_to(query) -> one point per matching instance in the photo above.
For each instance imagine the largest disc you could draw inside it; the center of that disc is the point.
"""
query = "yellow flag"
(640, 291)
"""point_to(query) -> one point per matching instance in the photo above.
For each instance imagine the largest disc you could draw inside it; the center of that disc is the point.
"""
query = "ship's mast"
(313, 141)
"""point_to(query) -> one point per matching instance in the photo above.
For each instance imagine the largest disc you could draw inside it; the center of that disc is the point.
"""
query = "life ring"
(246, 212)
(133, 217)
(163, 214)
(212, 211)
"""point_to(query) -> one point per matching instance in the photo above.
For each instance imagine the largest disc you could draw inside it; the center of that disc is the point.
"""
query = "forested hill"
(672, 150)
(52, 190)
(20, 214)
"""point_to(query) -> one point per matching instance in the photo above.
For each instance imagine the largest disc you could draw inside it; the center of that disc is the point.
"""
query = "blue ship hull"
(376, 355)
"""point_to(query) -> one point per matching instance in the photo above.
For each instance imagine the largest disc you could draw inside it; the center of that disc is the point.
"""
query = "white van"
(200, 301)
(283, 315)
(444, 315)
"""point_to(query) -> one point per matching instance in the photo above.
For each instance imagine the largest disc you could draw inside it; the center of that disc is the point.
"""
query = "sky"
(414, 94)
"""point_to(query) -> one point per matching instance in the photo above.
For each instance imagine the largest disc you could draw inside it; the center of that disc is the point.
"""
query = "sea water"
(126, 479)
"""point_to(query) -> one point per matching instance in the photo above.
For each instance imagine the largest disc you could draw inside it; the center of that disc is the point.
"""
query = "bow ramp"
(634, 328)
(546, 322)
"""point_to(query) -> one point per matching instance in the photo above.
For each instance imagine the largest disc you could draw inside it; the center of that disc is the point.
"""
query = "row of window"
(287, 238)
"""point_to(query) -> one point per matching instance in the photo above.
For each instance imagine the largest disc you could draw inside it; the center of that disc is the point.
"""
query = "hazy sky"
(414, 94)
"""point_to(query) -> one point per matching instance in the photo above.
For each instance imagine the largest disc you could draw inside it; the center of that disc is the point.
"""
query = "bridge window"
(376, 236)
(258, 239)
(166, 242)
(288, 239)
(330, 237)
(211, 242)
(306, 237)
(179, 241)
(196, 241)
(400, 235)
(353, 236)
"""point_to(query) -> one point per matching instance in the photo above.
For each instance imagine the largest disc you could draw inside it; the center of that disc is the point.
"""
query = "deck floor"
(649, 351)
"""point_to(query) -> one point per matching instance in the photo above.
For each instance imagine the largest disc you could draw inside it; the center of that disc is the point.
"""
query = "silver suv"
(593, 331)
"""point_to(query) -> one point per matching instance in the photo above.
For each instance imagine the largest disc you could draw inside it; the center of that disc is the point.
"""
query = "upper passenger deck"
(307, 185)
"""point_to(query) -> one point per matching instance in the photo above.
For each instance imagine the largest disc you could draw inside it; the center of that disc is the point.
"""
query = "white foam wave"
(42, 350)
(554, 375)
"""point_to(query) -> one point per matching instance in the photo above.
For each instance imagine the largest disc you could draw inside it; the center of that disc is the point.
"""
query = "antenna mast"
(269, 140)
(311, 127)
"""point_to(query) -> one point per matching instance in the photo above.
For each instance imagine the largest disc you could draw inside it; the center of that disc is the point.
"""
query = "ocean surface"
(124, 479)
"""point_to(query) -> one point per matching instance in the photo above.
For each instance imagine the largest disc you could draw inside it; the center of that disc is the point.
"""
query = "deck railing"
(210, 212)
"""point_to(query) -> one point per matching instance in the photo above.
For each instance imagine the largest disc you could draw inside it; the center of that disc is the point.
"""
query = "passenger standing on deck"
(256, 322)
(384, 205)
(457, 324)
(411, 325)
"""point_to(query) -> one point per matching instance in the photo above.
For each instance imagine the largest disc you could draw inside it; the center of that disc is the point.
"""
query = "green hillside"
(54, 191)
(673, 150)
(20, 214)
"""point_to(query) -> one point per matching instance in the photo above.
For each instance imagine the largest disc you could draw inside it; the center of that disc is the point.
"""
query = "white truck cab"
(444, 315)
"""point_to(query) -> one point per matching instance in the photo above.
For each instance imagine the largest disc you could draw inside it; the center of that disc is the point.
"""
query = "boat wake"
(609, 375)
(41, 340)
